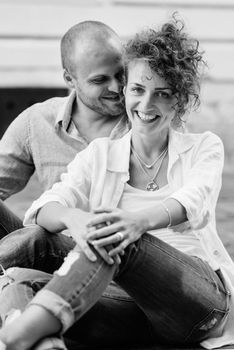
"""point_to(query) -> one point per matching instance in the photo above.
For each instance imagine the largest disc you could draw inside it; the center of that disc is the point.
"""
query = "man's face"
(98, 80)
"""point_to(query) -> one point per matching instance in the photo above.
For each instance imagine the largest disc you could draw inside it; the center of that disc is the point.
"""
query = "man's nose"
(115, 86)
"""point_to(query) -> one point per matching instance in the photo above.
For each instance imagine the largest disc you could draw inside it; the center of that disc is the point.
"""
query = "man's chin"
(116, 112)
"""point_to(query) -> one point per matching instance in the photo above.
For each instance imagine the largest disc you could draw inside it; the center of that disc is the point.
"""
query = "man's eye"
(99, 81)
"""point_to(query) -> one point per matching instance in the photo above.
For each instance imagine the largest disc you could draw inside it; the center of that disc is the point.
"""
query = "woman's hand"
(122, 229)
(76, 221)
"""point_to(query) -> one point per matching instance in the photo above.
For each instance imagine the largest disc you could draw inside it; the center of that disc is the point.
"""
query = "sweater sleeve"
(16, 164)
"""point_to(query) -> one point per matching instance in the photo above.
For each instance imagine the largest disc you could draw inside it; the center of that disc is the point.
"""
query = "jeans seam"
(78, 292)
(4, 228)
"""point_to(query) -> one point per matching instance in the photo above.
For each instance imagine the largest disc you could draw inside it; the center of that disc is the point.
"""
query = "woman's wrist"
(143, 220)
(165, 214)
(167, 210)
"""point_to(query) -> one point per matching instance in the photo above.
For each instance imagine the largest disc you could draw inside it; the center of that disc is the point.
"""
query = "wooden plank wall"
(30, 31)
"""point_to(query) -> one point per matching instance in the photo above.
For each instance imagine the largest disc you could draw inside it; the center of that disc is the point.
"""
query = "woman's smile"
(146, 117)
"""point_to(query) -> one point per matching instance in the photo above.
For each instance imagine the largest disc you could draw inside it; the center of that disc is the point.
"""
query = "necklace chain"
(152, 184)
(149, 166)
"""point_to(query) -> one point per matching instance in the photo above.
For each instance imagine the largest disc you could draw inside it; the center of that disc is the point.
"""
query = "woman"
(142, 211)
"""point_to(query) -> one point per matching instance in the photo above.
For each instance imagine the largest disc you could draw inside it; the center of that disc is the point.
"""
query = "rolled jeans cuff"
(57, 306)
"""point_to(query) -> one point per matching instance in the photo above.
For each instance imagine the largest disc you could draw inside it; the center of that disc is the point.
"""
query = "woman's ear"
(68, 79)
(124, 90)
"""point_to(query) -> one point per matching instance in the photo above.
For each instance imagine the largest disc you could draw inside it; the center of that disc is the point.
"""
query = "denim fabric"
(33, 247)
(9, 222)
(114, 318)
(183, 299)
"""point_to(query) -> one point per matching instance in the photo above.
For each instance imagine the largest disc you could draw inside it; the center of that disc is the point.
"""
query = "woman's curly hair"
(173, 56)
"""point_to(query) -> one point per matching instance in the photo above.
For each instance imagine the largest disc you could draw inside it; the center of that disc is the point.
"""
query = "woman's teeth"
(146, 117)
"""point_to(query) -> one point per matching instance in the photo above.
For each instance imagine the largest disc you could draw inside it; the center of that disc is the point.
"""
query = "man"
(47, 136)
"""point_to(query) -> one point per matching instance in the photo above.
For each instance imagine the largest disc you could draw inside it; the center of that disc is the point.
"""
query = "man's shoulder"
(46, 109)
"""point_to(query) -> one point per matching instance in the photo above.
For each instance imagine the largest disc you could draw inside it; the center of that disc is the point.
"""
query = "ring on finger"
(120, 236)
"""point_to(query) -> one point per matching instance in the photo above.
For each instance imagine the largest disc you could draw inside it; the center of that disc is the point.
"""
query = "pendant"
(152, 186)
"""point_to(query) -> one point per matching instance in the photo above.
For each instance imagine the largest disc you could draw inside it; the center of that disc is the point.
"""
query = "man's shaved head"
(92, 58)
(85, 37)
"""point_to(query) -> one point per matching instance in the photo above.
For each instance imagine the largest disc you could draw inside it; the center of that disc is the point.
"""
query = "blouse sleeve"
(202, 181)
(72, 191)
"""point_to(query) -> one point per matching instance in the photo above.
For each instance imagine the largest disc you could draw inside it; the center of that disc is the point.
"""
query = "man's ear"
(68, 79)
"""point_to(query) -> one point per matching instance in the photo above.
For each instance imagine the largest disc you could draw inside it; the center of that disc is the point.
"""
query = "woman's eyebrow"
(162, 88)
(156, 89)
(136, 84)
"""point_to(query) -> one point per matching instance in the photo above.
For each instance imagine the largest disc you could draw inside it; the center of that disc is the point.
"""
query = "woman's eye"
(163, 94)
(136, 90)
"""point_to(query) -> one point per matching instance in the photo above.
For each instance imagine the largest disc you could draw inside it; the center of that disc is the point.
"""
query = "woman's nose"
(146, 102)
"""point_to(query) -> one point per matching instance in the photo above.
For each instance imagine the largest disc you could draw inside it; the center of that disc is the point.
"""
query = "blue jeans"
(97, 327)
(33, 249)
(9, 222)
(183, 301)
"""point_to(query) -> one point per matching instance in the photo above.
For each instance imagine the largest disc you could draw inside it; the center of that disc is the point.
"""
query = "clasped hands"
(114, 229)
(109, 231)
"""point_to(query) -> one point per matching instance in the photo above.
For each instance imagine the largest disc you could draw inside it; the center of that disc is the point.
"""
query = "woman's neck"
(149, 146)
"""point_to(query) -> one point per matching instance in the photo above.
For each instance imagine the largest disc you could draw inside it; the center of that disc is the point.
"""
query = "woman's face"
(148, 97)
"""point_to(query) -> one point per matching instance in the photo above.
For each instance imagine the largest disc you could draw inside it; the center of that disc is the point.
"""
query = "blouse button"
(216, 252)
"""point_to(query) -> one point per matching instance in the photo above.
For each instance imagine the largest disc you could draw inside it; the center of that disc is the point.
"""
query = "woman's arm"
(49, 217)
(71, 192)
(168, 213)
(132, 225)
(55, 217)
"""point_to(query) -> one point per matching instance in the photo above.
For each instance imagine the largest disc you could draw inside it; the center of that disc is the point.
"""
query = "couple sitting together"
(133, 215)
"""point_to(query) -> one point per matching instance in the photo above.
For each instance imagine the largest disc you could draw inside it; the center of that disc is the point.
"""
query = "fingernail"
(94, 242)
